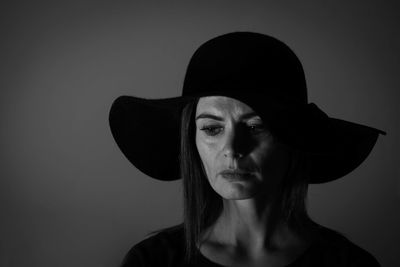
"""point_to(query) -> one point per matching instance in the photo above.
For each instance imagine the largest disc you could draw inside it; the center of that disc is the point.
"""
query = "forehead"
(222, 105)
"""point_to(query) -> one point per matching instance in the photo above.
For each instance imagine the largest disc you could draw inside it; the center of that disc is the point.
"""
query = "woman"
(246, 144)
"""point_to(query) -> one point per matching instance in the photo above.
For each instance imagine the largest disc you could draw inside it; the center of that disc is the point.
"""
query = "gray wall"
(68, 197)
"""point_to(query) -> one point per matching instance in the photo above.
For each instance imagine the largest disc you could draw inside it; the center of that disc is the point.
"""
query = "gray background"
(68, 197)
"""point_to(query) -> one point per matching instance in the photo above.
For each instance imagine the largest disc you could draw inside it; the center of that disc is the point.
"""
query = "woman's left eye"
(256, 128)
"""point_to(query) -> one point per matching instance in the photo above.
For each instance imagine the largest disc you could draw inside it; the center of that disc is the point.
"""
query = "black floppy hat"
(260, 71)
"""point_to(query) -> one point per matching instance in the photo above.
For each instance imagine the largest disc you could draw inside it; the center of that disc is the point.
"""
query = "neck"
(251, 225)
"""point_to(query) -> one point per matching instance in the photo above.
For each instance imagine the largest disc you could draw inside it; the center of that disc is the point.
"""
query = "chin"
(238, 191)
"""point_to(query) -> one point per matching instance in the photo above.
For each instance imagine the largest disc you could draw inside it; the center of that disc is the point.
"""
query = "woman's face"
(239, 154)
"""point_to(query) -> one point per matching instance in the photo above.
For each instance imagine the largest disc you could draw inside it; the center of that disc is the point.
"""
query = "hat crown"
(246, 62)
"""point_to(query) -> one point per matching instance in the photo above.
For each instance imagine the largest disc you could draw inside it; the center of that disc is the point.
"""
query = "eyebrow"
(218, 118)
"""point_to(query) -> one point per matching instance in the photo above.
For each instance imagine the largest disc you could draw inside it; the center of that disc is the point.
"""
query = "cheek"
(273, 161)
(207, 154)
(262, 152)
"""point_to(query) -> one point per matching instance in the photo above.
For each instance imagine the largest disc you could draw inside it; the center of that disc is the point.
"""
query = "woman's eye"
(211, 130)
(257, 128)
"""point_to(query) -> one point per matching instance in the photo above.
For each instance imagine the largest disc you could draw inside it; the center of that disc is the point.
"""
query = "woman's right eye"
(211, 130)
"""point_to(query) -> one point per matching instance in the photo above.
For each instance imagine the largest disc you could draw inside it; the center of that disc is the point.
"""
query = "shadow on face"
(239, 154)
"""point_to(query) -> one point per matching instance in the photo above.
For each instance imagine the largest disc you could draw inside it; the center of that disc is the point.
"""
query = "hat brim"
(148, 133)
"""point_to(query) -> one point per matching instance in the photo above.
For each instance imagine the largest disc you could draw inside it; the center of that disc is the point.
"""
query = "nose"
(235, 144)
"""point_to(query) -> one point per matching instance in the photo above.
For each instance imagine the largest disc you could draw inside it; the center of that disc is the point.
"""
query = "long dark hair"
(202, 205)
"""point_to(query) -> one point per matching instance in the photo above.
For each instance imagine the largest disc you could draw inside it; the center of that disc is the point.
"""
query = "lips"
(236, 174)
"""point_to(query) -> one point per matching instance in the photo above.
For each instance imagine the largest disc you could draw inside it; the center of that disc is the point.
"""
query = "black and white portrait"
(199, 133)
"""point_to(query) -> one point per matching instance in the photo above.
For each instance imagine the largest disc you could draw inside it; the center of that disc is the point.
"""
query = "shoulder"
(336, 249)
(165, 248)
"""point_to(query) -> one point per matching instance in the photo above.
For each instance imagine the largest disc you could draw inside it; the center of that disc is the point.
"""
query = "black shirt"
(166, 248)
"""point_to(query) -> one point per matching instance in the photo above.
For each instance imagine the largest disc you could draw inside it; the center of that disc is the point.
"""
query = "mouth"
(233, 175)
